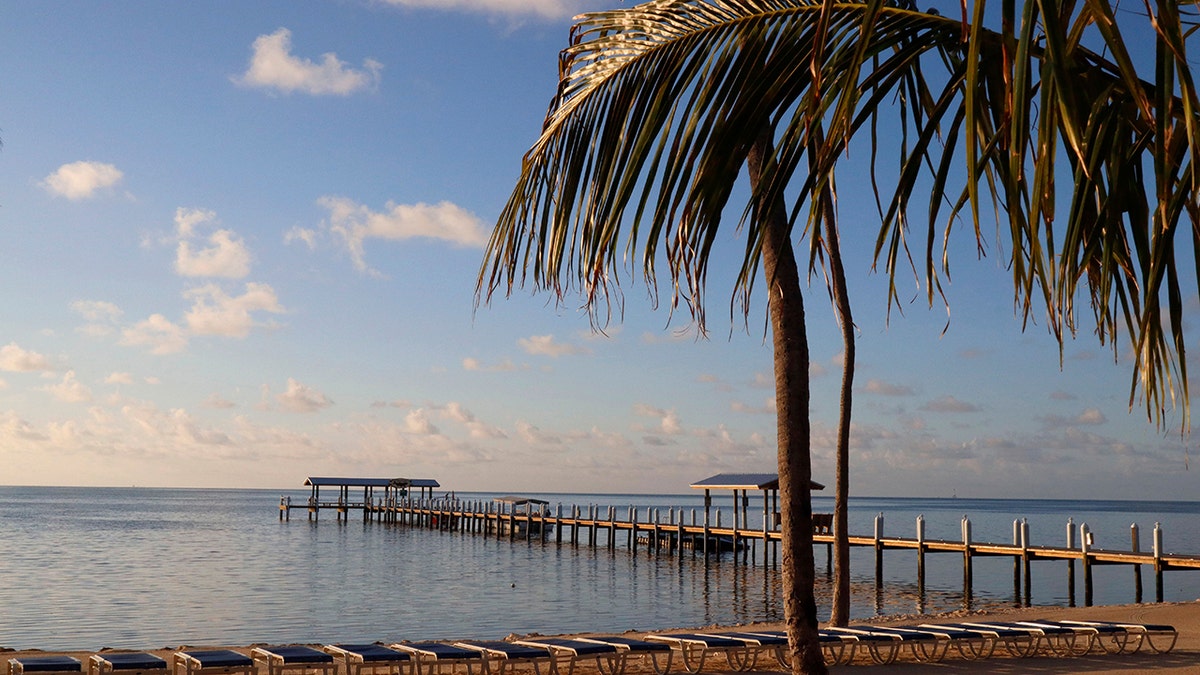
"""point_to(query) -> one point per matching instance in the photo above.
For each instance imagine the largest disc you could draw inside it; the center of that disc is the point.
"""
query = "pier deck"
(528, 519)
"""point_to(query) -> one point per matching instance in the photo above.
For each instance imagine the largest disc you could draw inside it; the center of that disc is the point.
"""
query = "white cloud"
(272, 66)
(224, 256)
(218, 402)
(887, 388)
(546, 345)
(532, 434)
(417, 422)
(474, 364)
(354, 223)
(119, 378)
(1089, 417)
(767, 408)
(668, 419)
(304, 234)
(157, 333)
(950, 404)
(81, 180)
(70, 390)
(14, 359)
(214, 312)
(549, 9)
(96, 310)
(302, 398)
(477, 429)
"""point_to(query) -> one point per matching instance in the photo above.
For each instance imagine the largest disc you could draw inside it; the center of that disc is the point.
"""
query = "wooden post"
(679, 534)
(1025, 559)
(1070, 563)
(766, 528)
(1017, 562)
(612, 527)
(707, 504)
(879, 550)
(920, 554)
(1158, 566)
(1136, 547)
(1085, 545)
(632, 515)
(967, 571)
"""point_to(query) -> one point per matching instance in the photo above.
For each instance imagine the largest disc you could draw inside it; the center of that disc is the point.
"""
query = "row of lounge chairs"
(741, 651)
(928, 642)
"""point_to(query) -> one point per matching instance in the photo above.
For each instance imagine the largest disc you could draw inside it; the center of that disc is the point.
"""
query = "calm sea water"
(86, 568)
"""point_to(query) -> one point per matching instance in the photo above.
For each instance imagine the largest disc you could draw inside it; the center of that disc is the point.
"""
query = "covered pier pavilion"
(375, 491)
(742, 484)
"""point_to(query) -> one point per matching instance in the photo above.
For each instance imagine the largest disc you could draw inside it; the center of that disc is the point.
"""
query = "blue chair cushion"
(373, 652)
(41, 664)
(138, 661)
(221, 658)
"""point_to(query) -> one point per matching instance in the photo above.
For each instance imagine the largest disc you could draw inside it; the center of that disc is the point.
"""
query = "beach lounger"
(775, 645)
(437, 657)
(499, 655)
(837, 649)
(883, 647)
(1145, 632)
(970, 645)
(136, 663)
(372, 658)
(633, 647)
(293, 657)
(1111, 639)
(44, 665)
(1017, 642)
(214, 662)
(1057, 639)
(566, 651)
(694, 648)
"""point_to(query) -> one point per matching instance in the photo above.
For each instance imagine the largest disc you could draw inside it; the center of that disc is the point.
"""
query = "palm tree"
(661, 106)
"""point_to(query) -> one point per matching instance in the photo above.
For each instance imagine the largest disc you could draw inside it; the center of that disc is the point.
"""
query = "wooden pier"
(678, 532)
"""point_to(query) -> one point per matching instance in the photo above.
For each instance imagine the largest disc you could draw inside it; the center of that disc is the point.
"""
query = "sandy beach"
(1184, 658)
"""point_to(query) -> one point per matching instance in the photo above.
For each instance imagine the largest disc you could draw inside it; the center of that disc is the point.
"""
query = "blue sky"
(239, 246)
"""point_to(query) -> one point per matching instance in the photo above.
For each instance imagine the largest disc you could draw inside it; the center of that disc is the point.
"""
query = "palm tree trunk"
(840, 615)
(790, 341)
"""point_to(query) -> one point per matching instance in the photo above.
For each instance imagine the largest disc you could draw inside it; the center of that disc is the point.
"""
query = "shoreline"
(1184, 658)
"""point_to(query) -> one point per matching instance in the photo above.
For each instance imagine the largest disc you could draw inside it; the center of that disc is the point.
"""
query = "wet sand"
(1184, 658)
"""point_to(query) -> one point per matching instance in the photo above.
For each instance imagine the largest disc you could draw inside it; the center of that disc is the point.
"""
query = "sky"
(239, 245)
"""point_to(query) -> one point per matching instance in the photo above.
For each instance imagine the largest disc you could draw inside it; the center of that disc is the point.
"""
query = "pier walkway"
(677, 531)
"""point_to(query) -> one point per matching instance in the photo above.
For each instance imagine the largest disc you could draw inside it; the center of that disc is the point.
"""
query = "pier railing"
(702, 533)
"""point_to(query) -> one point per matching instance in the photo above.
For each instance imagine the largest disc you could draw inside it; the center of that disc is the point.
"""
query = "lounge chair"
(1145, 632)
(136, 663)
(214, 662)
(438, 656)
(883, 647)
(931, 643)
(837, 649)
(370, 657)
(1057, 639)
(499, 656)
(633, 647)
(756, 643)
(293, 657)
(44, 665)
(1017, 642)
(694, 648)
(566, 651)
(1111, 639)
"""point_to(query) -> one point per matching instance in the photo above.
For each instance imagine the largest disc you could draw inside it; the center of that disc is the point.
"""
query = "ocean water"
(87, 568)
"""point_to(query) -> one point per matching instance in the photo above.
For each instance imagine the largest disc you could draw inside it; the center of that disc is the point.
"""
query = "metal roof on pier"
(745, 481)
(324, 481)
